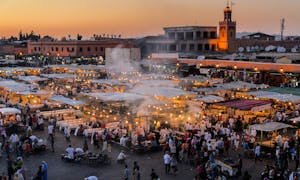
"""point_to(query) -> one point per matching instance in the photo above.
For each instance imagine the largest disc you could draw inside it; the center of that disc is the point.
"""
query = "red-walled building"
(74, 48)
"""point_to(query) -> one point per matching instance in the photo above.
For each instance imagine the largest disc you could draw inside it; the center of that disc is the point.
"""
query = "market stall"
(286, 101)
(9, 115)
(9, 89)
(57, 100)
(246, 108)
(109, 85)
(31, 79)
(271, 128)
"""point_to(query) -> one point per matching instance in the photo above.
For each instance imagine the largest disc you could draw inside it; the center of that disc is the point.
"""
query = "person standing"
(153, 175)
(173, 164)
(136, 174)
(39, 174)
(52, 142)
(85, 144)
(257, 152)
(167, 160)
(240, 165)
(104, 146)
(45, 170)
(126, 173)
(10, 169)
(50, 129)
(67, 134)
(14, 139)
(135, 166)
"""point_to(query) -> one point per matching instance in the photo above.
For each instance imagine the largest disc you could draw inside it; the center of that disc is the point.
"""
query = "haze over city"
(135, 18)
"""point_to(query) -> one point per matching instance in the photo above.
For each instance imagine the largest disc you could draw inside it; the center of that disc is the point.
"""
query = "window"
(200, 47)
(101, 48)
(52, 48)
(39, 48)
(35, 48)
(96, 48)
(171, 35)
(189, 35)
(172, 47)
(206, 47)
(192, 47)
(205, 34)
(180, 36)
(80, 49)
(88, 49)
(183, 47)
(56, 48)
(198, 35)
(213, 34)
(62, 49)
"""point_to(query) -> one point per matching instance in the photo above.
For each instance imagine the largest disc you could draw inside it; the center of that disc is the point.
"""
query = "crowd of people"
(199, 145)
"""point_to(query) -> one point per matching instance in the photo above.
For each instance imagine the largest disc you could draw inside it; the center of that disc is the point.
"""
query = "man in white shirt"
(70, 152)
(50, 129)
(14, 139)
(121, 157)
(123, 141)
(167, 160)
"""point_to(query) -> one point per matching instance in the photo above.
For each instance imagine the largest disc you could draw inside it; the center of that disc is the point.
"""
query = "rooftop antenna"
(282, 28)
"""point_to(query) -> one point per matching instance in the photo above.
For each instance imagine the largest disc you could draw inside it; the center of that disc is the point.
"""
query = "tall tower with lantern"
(227, 32)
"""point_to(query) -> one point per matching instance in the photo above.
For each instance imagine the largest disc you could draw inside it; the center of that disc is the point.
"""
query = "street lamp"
(281, 70)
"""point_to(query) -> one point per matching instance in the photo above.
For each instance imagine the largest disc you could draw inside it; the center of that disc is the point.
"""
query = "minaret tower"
(227, 31)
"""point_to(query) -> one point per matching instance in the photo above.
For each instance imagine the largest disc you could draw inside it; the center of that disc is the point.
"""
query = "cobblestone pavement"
(57, 169)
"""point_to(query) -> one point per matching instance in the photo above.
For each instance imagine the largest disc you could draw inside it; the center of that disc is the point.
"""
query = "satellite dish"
(281, 49)
(241, 49)
(294, 50)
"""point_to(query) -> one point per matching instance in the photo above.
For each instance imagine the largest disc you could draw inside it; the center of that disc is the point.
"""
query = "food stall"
(8, 115)
(108, 85)
(63, 84)
(9, 89)
(31, 79)
(287, 101)
(271, 128)
(112, 106)
(34, 99)
(59, 101)
(247, 108)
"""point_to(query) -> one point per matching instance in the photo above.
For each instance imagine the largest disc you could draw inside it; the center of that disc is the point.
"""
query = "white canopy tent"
(65, 100)
(31, 79)
(59, 76)
(210, 99)
(38, 92)
(276, 96)
(296, 119)
(111, 82)
(116, 96)
(167, 92)
(158, 83)
(14, 86)
(237, 85)
(9, 111)
(270, 126)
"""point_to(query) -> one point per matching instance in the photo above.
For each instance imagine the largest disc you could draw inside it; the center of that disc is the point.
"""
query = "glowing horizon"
(135, 18)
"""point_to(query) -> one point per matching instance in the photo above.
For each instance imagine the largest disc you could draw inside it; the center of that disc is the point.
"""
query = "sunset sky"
(135, 18)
